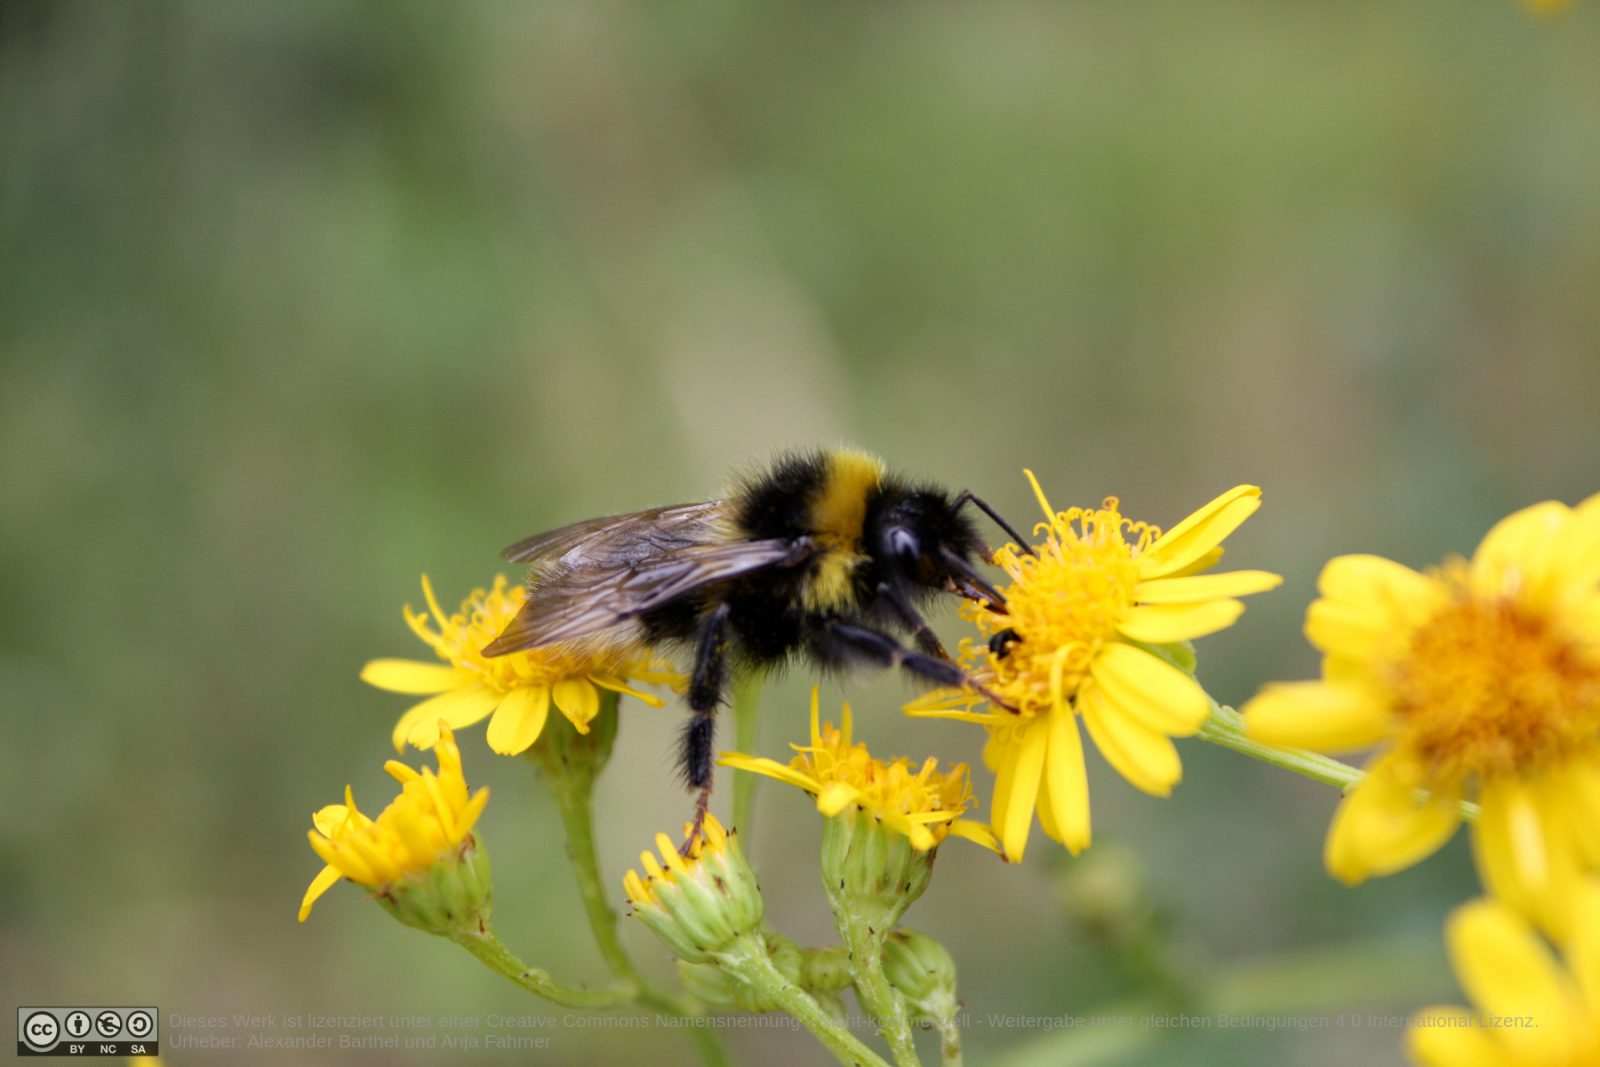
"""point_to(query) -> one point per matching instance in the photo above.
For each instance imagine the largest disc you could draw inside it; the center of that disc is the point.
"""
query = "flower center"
(1491, 688)
(1063, 604)
(893, 786)
(460, 638)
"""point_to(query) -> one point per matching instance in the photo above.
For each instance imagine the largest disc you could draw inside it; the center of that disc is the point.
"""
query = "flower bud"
(699, 904)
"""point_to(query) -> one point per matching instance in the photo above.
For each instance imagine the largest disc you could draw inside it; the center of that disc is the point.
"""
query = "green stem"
(949, 1042)
(577, 819)
(569, 774)
(747, 960)
(883, 1002)
(1225, 727)
(489, 949)
(746, 731)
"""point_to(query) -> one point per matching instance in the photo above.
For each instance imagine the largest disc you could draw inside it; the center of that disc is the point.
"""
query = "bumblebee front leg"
(846, 641)
(697, 755)
(926, 639)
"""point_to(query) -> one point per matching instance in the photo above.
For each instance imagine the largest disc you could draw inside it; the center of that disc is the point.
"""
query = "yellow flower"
(1479, 678)
(699, 904)
(923, 804)
(429, 822)
(1087, 614)
(1531, 1010)
(517, 688)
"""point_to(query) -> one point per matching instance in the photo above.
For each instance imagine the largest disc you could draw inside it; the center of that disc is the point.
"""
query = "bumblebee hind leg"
(697, 751)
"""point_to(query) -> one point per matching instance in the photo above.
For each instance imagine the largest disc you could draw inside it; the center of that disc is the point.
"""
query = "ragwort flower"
(1095, 616)
(922, 804)
(419, 854)
(701, 903)
(517, 689)
(1479, 678)
(1531, 1010)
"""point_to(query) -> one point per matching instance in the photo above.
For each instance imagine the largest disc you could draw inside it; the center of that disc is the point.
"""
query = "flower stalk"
(1226, 728)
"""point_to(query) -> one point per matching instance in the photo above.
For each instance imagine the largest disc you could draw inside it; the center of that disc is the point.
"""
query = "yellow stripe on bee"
(837, 517)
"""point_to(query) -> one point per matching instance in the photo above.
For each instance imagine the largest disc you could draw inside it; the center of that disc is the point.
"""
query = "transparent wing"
(552, 544)
(577, 598)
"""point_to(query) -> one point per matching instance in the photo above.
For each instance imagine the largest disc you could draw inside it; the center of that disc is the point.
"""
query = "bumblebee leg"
(926, 639)
(697, 755)
(844, 642)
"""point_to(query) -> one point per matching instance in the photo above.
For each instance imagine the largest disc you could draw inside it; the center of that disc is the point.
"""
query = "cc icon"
(41, 1031)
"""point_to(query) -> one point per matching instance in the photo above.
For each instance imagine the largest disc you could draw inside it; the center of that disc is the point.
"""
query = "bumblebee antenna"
(967, 496)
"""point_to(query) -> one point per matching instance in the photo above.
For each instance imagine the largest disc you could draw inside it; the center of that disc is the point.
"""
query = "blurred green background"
(300, 300)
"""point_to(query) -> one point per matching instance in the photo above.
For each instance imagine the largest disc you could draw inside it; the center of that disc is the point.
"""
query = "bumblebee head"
(927, 540)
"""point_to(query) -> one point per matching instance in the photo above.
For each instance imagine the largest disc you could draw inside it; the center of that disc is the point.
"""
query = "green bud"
(870, 871)
(570, 758)
(454, 895)
(921, 970)
(700, 905)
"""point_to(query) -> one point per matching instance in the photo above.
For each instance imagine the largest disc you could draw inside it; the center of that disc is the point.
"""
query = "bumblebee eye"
(904, 544)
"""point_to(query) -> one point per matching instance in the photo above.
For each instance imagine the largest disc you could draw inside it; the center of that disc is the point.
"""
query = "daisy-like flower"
(699, 904)
(517, 689)
(1481, 679)
(1089, 612)
(1532, 1010)
(419, 853)
(922, 804)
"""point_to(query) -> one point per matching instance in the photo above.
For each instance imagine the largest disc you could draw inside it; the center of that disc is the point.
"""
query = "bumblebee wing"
(571, 603)
(553, 544)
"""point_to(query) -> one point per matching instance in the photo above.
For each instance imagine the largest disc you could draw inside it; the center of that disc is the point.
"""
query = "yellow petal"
(1162, 624)
(835, 797)
(324, 881)
(1577, 799)
(1583, 948)
(1150, 689)
(409, 676)
(1451, 1037)
(1380, 584)
(519, 720)
(1517, 551)
(1194, 590)
(771, 768)
(1145, 757)
(1018, 780)
(1067, 780)
(458, 708)
(1381, 827)
(1524, 855)
(1355, 631)
(616, 685)
(1507, 971)
(1201, 564)
(578, 700)
(1316, 715)
(977, 833)
(1578, 557)
(329, 818)
(1200, 532)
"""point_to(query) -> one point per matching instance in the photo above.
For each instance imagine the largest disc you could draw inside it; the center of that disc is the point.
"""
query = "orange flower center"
(1062, 605)
(1491, 688)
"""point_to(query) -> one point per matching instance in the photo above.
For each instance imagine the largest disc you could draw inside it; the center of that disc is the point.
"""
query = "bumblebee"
(824, 554)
